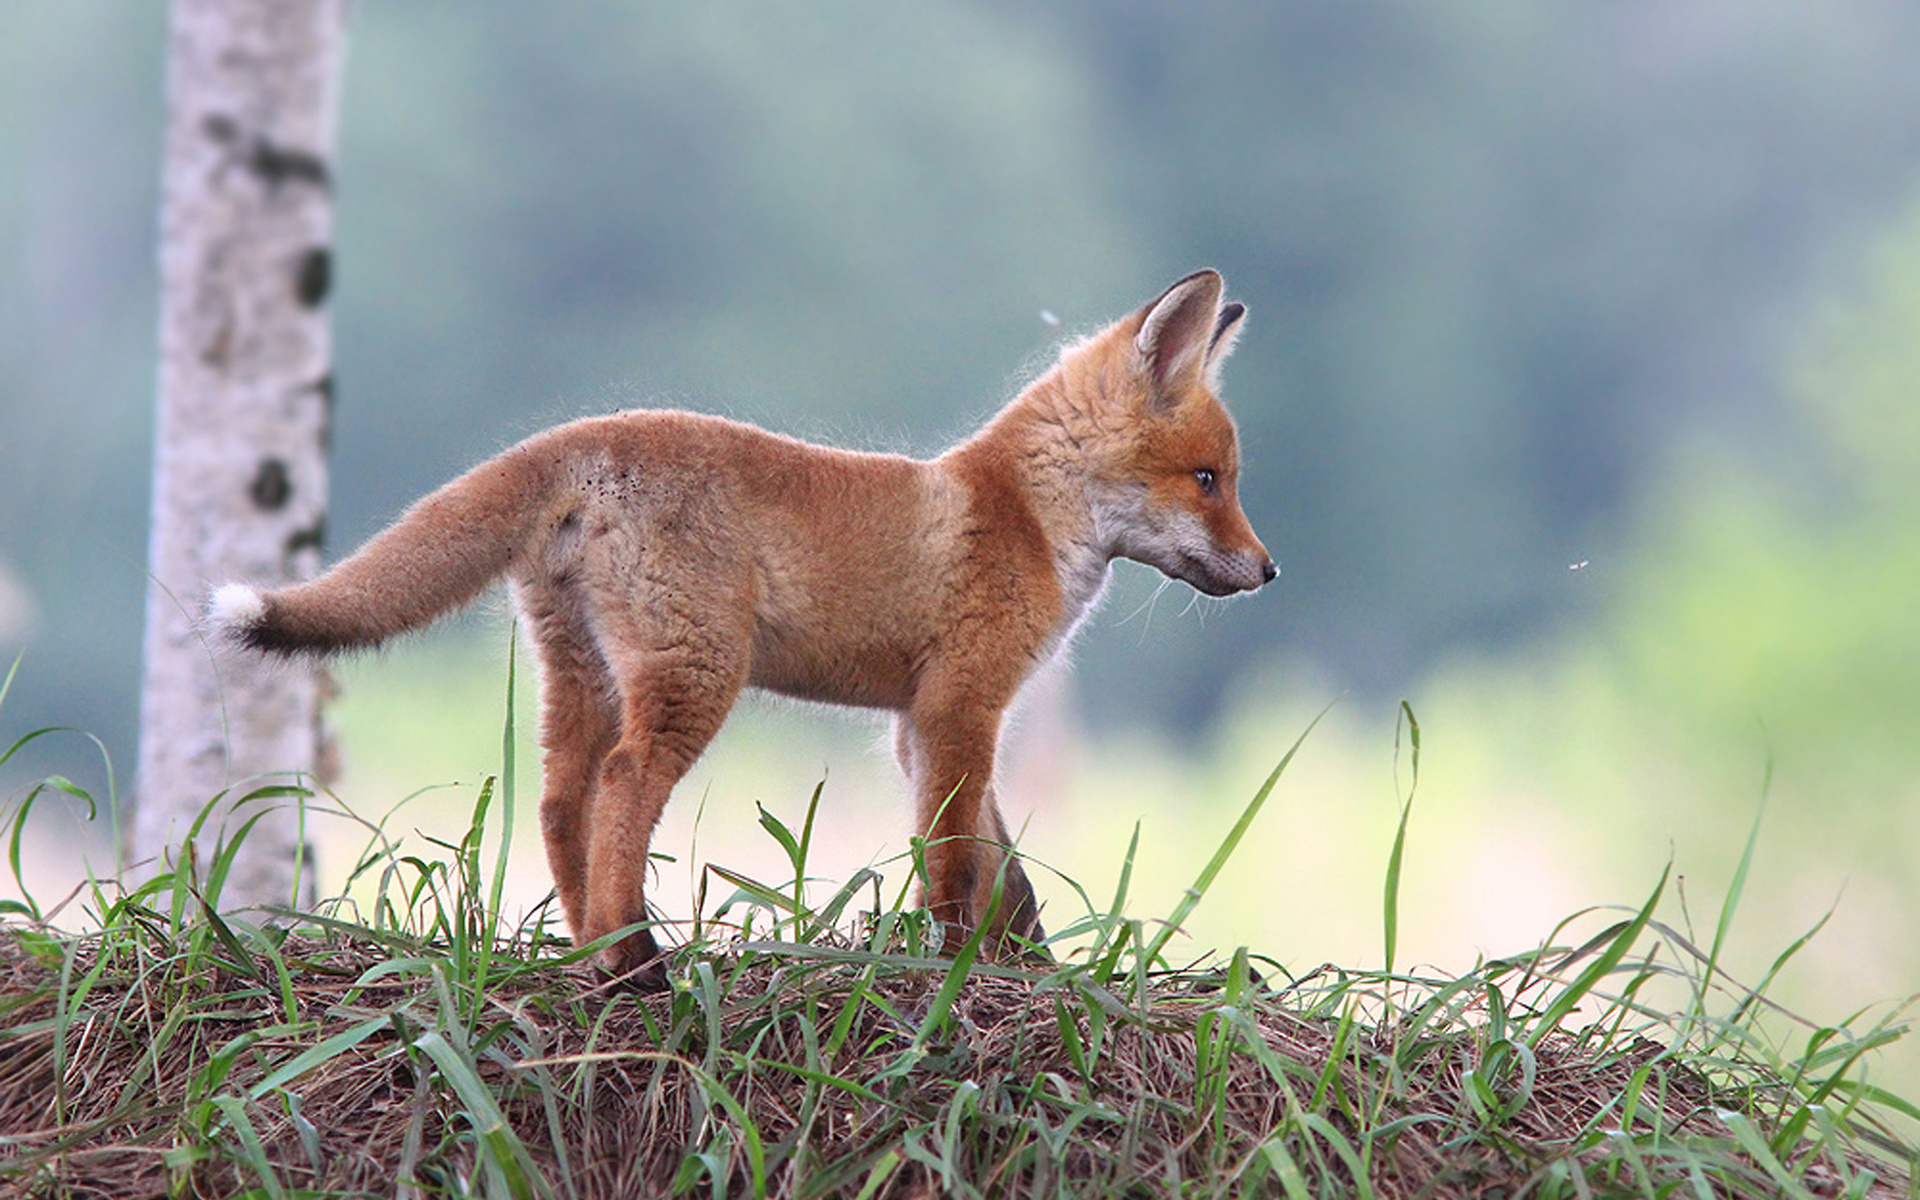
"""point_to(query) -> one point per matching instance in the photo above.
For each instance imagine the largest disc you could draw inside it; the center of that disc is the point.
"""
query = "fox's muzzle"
(1226, 576)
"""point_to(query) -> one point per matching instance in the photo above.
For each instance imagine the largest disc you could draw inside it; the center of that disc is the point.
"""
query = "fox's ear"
(1177, 331)
(1226, 331)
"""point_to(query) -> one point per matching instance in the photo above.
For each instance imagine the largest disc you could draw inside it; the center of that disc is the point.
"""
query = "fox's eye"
(1206, 480)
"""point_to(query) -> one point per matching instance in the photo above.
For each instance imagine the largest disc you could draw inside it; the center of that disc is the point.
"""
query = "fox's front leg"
(948, 757)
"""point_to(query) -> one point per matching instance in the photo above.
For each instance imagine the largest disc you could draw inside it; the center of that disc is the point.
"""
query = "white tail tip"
(236, 606)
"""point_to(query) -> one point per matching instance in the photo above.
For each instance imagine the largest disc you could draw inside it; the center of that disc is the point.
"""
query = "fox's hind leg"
(677, 679)
(579, 723)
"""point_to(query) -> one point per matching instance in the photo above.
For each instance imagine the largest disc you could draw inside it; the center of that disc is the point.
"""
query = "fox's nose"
(1269, 571)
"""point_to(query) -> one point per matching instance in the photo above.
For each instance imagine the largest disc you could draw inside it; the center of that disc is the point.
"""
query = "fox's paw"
(649, 980)
(634, 964)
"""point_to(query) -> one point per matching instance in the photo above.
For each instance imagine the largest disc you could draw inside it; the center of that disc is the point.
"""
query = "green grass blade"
(1292, 1181)
(19, 831)
(880, 1175)
(1193, 895)
(800, 863)
(1392, 900)
(829, 914)
(497, 889)
(320, 1052)
(242, 959)
(6, 685)
(1757, 1149)
(1739, 883)
(751, 889)
(1610, 958)
(1728, 904)
(495, 1136)
(250, 1144)
(943, 1000)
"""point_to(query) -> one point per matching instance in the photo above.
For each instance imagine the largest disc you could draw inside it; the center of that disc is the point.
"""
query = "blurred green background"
(1578, 402)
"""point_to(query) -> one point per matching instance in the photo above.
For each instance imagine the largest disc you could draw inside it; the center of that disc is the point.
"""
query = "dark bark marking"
(272, 486)
(310, 538)
(313, 277)
(220, 127)
(280, 164)
(323, 388)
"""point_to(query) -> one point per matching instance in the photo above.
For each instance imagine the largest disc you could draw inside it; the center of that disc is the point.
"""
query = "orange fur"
(664, 561)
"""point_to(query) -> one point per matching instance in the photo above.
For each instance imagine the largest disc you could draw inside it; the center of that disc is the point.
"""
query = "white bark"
(245, 386)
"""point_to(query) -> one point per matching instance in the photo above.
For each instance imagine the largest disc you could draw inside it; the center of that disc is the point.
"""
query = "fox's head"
(1166, 470)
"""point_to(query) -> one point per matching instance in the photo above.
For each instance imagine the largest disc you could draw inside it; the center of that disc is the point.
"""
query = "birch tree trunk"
(245, 388)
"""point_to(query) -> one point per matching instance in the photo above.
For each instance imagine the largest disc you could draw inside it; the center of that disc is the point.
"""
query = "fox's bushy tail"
(440, 555)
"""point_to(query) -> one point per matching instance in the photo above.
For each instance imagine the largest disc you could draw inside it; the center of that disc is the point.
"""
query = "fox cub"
(663, 561)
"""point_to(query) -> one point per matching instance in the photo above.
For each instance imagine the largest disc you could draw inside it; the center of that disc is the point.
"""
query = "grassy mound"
(426, 1049)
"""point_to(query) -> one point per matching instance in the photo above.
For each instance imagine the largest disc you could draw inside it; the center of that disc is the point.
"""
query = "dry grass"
(621, 1096)
(429, 1050)
(335, 1066)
